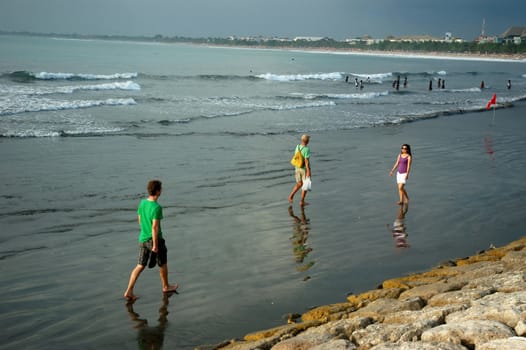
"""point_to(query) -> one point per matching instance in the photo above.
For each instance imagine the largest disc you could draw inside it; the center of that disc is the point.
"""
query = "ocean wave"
(473, 89)
(28, 104)
(364, 95)
(46, 90)
(21, 76)
(300, 77)
(512, 99)
(301, 106)
(225, 77)
(374, 77)
(87, 132)
(278, 108)
(167, 122)
(252, 108)
(380, 77)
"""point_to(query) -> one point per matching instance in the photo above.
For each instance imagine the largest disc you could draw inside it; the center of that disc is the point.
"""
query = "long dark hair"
(408, 148)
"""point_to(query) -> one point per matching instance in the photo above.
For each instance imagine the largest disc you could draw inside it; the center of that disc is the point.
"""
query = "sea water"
(84, 124)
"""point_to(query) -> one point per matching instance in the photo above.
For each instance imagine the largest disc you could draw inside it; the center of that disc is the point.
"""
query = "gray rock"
(480, 269)
(520, 328)
(379, 308)
(432, 316)
(471, 333)
(345, 327)
(506, 282)
(515, 260)
(379, 333)
(465, 297)
(429, 290)
(303, 341)
(513, 343)
(337, 344)
(418, 345)
(506, 308)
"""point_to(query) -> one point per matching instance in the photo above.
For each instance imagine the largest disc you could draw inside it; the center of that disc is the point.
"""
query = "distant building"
(515, 35)
(309, 38)
(487, 39)
(416, 39)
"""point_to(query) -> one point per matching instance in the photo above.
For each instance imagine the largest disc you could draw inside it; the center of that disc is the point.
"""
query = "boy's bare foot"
(290, 200)
(171, 289)
(130, 296)
(302, 204)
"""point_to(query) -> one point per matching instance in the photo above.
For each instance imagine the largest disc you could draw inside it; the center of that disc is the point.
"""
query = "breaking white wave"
(45, 90)
(65, 76)
(374, 77)
(473, 89)
(301, 106)
(81, 131)
(364, 95)
(23, 104)
(300, 77)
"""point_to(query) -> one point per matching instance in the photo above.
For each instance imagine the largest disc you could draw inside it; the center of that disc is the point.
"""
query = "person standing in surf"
(303, 172)
(403, 164)
(151, 243)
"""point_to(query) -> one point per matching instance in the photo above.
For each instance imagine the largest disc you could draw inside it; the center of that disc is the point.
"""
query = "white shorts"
(300, 175)
(400, 178)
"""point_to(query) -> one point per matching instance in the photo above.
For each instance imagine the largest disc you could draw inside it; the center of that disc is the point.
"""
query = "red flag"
(492, 101)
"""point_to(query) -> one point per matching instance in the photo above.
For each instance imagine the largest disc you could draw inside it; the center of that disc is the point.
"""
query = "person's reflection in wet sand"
(399, 229)
(299, 240)
(150, 338)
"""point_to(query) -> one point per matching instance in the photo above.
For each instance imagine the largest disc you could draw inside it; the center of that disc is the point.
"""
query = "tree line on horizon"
(424, 46)
(325, 43)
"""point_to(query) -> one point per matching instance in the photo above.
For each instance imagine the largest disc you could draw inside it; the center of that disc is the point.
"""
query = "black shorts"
(145, 251)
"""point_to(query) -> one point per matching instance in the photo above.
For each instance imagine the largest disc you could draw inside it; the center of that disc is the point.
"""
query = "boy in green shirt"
(151, 243)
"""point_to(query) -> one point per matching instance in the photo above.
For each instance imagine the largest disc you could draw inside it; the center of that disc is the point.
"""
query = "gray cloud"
(220, 18)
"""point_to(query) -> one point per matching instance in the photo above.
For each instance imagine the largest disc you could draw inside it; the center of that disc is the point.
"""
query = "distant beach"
(436, 55)
(490, 57)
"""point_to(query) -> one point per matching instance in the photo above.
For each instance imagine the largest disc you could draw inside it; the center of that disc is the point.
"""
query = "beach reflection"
(299, 240)
(399, 229)
(488, 145)
(150, 337)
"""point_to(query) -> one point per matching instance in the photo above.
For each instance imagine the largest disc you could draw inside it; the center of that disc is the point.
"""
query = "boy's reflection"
(151, 338)
(299, 240)
(399, 229)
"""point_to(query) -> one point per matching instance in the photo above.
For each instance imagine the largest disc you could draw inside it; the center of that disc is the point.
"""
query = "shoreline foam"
(476, 302)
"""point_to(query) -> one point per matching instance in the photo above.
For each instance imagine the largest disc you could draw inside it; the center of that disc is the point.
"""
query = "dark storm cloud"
(287, 18)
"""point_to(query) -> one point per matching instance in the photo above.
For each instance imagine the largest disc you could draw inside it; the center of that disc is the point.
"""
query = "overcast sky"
(338, 19)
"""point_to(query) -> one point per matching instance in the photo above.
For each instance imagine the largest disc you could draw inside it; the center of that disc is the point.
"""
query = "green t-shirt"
(149, 211)
(305, 152)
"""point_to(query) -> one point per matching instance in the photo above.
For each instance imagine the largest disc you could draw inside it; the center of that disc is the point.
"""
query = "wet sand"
(233, 244)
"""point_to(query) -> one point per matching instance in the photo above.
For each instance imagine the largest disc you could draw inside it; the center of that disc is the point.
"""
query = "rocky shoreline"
(474, 303)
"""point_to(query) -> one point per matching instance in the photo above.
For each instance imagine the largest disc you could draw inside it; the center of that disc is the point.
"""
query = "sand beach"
(440, 55)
